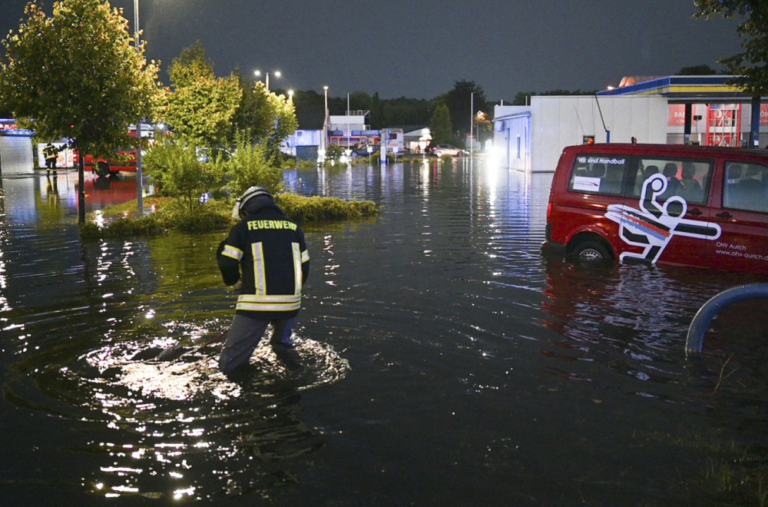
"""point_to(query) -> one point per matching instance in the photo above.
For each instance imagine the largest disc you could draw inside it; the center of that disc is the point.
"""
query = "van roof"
(680, 149)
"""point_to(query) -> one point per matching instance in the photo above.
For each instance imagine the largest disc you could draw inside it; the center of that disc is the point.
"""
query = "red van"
(674, 204)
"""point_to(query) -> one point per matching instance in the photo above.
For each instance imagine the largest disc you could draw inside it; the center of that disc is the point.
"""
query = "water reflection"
(188, 420)
(633, 319)
(438, 316)
(38, 197)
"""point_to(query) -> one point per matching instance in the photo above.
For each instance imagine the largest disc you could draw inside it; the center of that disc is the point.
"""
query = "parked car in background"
(362, 151)
(447, 149)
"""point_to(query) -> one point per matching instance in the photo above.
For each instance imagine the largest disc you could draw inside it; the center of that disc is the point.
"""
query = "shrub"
(250, 166)
(179, 172)
(123, 227)
(216, 214)
(376, 158)
(333, 152)
(306, 164)
(323, 208)
(213, 215)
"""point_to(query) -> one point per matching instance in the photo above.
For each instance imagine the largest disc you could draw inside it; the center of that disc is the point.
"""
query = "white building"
(531, 138)
(16, 155)
(703, 110)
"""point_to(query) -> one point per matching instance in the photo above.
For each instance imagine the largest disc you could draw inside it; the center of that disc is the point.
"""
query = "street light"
(471, 124)
(325, 124)
(139, 175)
(275, 73)
(290, 95)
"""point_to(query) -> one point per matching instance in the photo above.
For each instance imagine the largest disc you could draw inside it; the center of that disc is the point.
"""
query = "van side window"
(598, 174)
(745, 187)
(688, 179)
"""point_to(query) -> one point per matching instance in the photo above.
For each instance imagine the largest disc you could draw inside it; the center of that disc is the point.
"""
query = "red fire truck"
(123, 160)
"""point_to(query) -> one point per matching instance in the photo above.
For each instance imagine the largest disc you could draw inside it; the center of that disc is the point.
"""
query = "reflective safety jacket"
(50, 152)
(268, 249)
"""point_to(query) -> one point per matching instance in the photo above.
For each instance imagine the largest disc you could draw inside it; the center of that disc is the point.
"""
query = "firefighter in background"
(265, 254)
(51, 153)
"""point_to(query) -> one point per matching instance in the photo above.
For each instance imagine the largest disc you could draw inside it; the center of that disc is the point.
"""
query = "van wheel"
(591, 251)
(102, 169)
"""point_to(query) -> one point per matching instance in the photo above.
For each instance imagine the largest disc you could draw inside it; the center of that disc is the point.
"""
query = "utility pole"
(139, 175)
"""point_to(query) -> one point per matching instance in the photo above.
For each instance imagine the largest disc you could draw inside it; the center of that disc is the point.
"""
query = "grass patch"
(304, 209)
(123, 227)
(730, 472)
(122, 220)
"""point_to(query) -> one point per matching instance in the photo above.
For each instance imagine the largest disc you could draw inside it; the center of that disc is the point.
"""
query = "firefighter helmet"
(259, 193)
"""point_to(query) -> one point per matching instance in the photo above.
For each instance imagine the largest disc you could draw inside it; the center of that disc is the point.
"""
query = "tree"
(250, 166)
(77, 75)
(459, 101)
(524, 98)
(181, 173)
(482, 125)
(697, 70)
(404, 111)
(377, 112)
(200, 106)
(751, 65)
(276, 119)
(359, 101)
(440, 126)
(267, 116)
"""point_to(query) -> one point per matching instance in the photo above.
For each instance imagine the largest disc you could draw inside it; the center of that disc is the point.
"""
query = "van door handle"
(695, 212)
(725, 215)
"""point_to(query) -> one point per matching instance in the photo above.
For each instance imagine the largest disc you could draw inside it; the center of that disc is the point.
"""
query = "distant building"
(416, 138)
(16, 155)
(350, 130)
(650, 110)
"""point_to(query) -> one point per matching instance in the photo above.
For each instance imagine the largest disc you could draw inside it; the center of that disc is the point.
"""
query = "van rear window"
(598, 174)
(745, 187)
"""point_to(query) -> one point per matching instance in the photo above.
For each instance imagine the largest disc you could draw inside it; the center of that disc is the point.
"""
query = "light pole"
(325, 123)
(471, 124)
(349, 151)
(139, 175)
(266, 81)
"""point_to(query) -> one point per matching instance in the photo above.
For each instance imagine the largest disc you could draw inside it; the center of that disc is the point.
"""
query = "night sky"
(419, 48)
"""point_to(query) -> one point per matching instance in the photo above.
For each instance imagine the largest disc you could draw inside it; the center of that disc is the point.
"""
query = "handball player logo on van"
(654, 225)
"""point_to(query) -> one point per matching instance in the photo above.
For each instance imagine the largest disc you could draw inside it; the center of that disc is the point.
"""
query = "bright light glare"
(494, 158)
(179, 493)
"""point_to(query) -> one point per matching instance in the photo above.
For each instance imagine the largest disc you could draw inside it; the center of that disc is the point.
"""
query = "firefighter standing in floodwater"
(268, 249)
(51, 153)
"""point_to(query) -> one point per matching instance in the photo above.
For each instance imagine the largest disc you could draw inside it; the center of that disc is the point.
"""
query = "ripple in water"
(182, 423)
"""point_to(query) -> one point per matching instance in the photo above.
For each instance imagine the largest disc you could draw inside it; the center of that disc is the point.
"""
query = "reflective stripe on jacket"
(268, 250)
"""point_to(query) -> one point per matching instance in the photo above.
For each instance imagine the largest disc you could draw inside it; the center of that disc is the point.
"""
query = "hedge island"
(170, 213)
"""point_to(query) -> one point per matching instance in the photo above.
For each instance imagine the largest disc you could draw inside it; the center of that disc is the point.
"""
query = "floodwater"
(447, 362)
